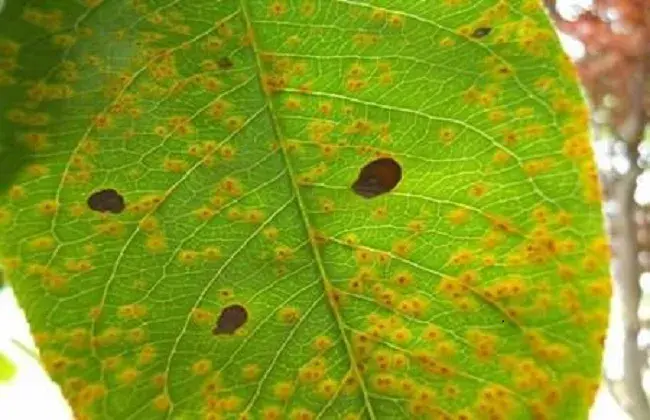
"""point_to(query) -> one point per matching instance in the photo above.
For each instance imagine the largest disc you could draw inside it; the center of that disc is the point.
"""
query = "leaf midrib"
(327, 287)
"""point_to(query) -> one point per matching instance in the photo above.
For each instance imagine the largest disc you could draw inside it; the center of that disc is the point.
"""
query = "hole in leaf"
(230, 320)
(108, 200)
(225, 63)
(481, 32)
(378, 177)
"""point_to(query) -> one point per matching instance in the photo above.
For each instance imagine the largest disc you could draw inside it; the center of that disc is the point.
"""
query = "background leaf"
(335, 209)
(7, 368)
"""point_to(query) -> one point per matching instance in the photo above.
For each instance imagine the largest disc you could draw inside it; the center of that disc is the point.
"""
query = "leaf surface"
(303, 209)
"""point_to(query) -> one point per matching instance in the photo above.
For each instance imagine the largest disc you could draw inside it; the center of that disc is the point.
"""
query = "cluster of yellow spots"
(499, 70)
(216, 408)
(365, 39)
(111, 363)
(35, 141)
(16, 192)
(50, 278)
(28, 118)
(202, 367)
(128, 376)
(112, 228)
(283, 253)
(159, 380)
(234, 123)
(9, 48)
(283, 390)
(415, 306)
(497, 402)
(164, 67)
(108, 337)
(78, 266)
(462, 257)
(385, 78)
(364, 256)
(327, 389)
(42, 92)
(145, 204)
(458, 216)
(147, 354)
(178, 166)
(312, 175)
(322, 343)
(51, 20)
(536, 167)
(68, 71)
(132, 311)
(187, 256)
(161, 402)
(402, 247)
(251, 372)
(63, 41)
(484, 343)
(8, 64)
(478, 189)
(82, 395)
(55, 363)
(10, 264)
(459, 291)
(485, 98)
(293, 103)
(112, 335)
(48, 207)
(363, 344)
(231, 186)
(289, 315)
(512, 286)
(281, 72)
(447, 135)
(402, 278)
(313, 371)
(362, 127)
(590, 181)
(384, 295)
(156, 242)
(577, 147)
(203, 317)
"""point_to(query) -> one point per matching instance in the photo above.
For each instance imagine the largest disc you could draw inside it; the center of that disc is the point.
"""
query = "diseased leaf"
(303, 209)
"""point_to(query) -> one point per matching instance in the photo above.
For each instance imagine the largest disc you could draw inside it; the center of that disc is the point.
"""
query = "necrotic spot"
(481, 32)
(231, 318)
(378, 177)
(107, 200)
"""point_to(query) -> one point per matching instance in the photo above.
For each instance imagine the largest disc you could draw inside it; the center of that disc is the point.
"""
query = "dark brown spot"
(231, 318)
(481, 32)
(225, 63)
(378, 177)
(107, 200)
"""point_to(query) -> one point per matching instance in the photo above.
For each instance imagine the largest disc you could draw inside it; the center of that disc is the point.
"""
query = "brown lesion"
(231, 319)
(378, 177)
(106, 200)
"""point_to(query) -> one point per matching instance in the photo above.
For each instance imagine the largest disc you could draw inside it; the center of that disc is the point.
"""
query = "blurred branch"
(627, 273)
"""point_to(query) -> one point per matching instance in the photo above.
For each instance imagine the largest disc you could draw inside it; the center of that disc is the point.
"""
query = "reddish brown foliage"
(616, 35)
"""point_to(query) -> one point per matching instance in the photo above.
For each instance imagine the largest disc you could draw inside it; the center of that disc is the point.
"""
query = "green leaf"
(7, 368)
(301, 209)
